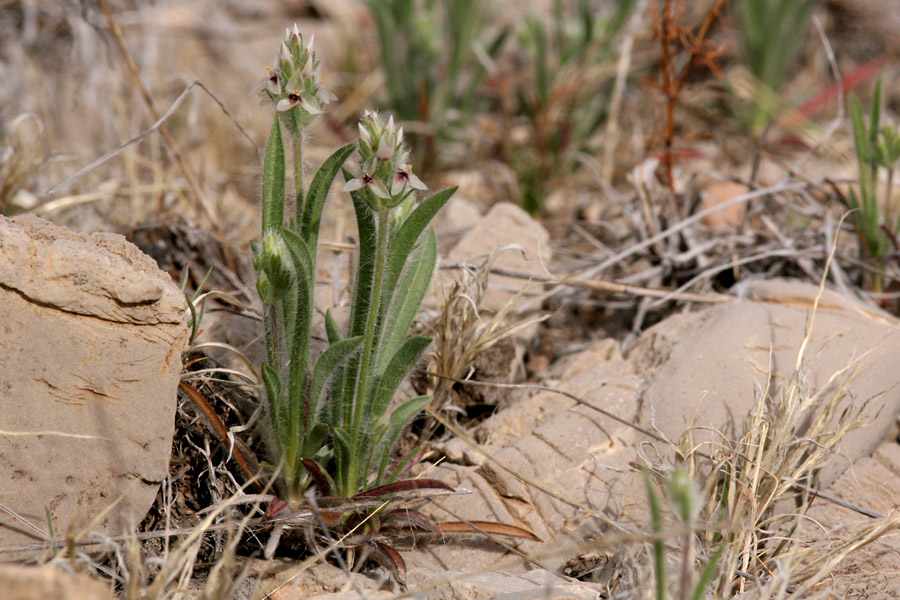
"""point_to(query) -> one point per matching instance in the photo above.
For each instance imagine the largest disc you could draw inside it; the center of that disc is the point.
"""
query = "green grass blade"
(708, 571)
(659, 547)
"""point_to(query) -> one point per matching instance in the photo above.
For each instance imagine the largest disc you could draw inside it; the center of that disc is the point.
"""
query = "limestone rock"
(505, 225)
(40, 583)
(91, 334)
(706, 368)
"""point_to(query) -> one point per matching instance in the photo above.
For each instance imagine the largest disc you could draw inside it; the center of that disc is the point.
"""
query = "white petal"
(390, 124)
(364, 134)
(310, 105)
(398, 186)
(285, 52)
(272, 85)
(285, 104)
(415, 182)
(379, 190)
(353, 185)
(385, 148)
(309, 45)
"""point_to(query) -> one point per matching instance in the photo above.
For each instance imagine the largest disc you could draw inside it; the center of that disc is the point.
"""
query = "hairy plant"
(332, 420)
(771, 33)
(877, 153)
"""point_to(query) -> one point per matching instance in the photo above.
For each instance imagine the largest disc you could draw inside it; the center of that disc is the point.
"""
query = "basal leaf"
(487, 527)
(330, 360)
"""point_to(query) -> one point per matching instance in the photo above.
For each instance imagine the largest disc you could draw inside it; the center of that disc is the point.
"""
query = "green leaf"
(708, 571)
(273, 179)
(400, 418)
(659, 547)
(331, 328)
(276, 405)
(315, 439)
(410, 290)
(318, 192)
(330, 360)
(401, 362)
(408, 234)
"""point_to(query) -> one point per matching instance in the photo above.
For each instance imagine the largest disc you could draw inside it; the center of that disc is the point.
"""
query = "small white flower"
(270, 82)
(403, 178)
(302, 99)
(370, 181)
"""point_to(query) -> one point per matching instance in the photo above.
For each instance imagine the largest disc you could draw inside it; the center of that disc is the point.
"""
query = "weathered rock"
(43, 583)
(505, 225)
(91, 334)
(706, 368)
(868, 572)
(563, 467)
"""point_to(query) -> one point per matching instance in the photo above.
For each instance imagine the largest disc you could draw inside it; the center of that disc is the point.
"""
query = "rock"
(562, 469)
(43, 583)
(728, 217)
(869, 572)
(91, 336)
(720, 358)
(505, 225)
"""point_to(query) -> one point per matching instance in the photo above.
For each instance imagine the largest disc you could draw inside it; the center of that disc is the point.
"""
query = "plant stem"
(298, 176)
(369, 341)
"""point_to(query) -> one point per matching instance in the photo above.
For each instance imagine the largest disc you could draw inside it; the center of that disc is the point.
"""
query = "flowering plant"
(332, 421)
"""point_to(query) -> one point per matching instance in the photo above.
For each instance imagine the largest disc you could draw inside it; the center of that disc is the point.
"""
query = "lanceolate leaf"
(392, 560)
(487, 527)
(330, 360)
(403, 486)
(400, 418)
(318, 192)
(273, 179)
(409, 232)
(405, 357)
(318, 475)
(276, 404)
(410, 291)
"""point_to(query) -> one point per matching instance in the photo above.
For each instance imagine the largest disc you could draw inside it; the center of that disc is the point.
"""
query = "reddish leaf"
(390, 558)
(412, 519)
(489, 527)
(403, 486)
(241, 453)
(275, 507)
(318, 475)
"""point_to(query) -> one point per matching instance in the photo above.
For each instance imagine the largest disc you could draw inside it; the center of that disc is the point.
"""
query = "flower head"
(384, 162)
(296, 84)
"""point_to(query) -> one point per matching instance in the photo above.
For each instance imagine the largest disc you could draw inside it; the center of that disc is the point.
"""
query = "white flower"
(370, 181)
(271, 82)
(303, 99)
(405, 178)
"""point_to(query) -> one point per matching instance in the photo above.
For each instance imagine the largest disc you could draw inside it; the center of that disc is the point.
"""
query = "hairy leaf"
(331, 359)
(404, 486)
(487, 527)
(404, 358)
(273, 179)
(318, 192)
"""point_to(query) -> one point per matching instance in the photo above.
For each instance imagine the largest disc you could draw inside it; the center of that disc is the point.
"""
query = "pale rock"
(19, 582)
(91, 334)
(528, 243)
(718, 193)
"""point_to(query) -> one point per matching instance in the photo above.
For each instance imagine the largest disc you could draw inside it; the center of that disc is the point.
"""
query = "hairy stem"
(298, 176)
